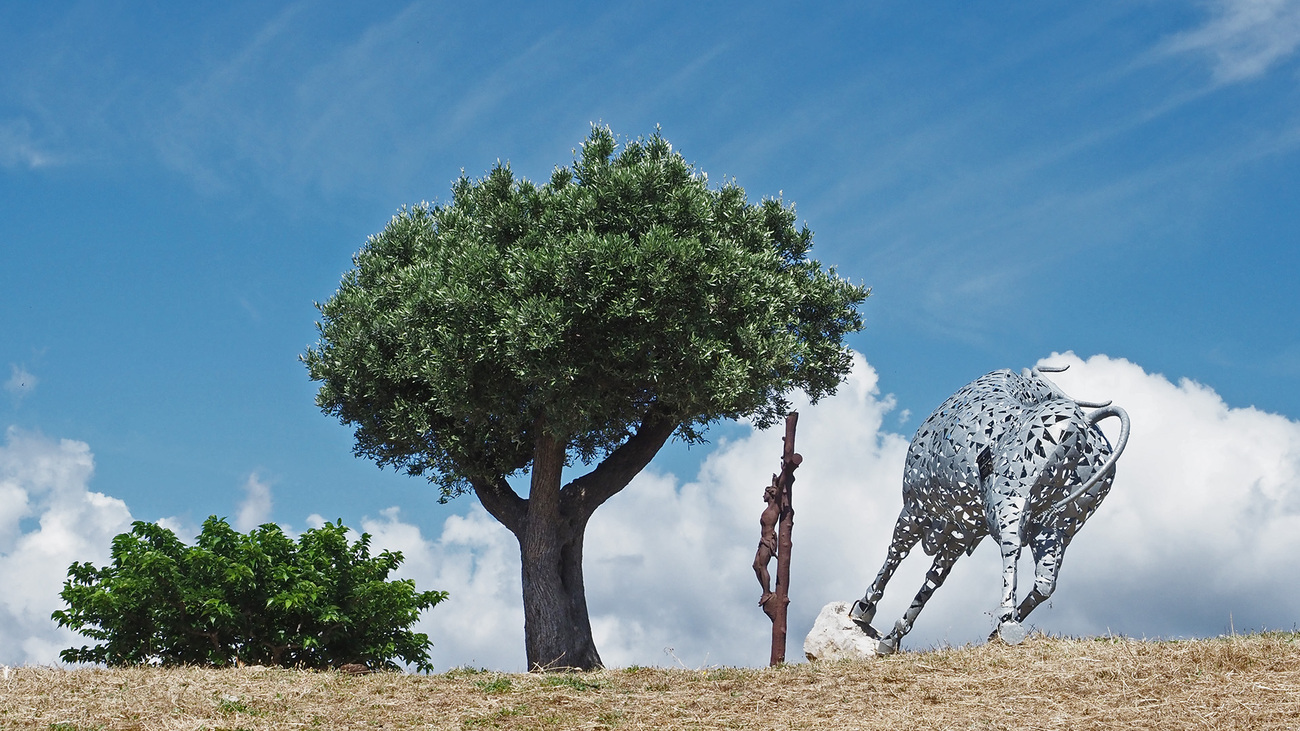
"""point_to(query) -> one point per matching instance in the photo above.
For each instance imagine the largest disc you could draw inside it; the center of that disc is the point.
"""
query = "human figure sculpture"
(1010, 456)
(776, 524)
(767, 540)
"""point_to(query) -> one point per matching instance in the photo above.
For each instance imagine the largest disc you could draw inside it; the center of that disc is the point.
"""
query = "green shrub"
(256, 598)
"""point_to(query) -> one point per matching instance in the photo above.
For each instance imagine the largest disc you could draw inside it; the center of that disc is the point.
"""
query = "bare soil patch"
(1245, 682)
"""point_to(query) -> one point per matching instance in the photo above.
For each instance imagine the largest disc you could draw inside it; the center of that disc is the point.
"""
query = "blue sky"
(178, 185)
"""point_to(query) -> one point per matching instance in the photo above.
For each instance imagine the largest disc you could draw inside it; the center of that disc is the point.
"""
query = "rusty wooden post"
(777, 524)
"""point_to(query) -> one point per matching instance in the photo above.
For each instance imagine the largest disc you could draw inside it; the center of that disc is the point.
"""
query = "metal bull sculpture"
(1009, 456)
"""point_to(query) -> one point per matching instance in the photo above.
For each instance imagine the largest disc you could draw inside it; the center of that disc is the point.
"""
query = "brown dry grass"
(1250, 682)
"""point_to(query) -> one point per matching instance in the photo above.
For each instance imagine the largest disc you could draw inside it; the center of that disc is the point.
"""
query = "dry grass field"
(1245, 682)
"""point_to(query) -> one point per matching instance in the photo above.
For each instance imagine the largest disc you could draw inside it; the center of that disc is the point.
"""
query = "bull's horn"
(1109, 466)
(1040, 370)
(1056, 390)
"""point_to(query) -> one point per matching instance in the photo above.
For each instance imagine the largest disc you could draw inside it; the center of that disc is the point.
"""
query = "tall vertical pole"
(780, 601)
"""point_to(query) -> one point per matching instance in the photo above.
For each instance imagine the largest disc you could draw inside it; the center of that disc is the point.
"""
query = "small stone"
(835, 637)
(1012, 633)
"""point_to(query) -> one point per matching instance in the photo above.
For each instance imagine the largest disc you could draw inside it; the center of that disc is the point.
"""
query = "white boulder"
(835, 637)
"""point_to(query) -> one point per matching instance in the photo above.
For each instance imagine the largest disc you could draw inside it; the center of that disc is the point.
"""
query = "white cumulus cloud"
(49, 518)
(1199, 534)
(255, 508)
(1201, 529)
(477, 560)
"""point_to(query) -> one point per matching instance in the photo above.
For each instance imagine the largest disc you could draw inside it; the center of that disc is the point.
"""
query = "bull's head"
(1102, 410)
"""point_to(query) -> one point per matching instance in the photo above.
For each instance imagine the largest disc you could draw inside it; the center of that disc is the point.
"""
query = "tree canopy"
(625, 289)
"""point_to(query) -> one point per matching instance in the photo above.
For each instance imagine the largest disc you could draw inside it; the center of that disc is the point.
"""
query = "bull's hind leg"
(1008, 628)
(1048, 548)
(906, 534)
(1009, 543)
(934, 579)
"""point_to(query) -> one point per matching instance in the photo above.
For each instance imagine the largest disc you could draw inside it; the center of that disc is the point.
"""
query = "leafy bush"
(256, 598)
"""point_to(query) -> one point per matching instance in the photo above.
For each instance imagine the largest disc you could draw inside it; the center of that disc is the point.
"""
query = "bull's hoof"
(1012, 633)
(889, 645)
(867, 629)
(862, 623)
(861, 614)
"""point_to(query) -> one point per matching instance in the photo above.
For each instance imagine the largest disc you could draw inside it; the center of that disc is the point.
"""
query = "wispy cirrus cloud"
(377, 107)
(21, 381)
(19, 147)
(1245, 38)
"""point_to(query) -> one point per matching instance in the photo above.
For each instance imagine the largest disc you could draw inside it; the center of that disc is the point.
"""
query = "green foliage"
(621, 290)
(465, 671)
(232, 705)
(572, 681)
(256, 598)
(500, 684)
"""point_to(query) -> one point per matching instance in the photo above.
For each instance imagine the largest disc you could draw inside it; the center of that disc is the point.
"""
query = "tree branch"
(582, 496)
(500, 500)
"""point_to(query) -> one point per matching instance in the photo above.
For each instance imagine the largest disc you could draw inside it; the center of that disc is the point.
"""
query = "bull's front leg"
(907, 532)
(934, 579)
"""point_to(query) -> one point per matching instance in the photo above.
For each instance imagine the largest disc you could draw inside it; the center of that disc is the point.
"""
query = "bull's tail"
(1109, 466)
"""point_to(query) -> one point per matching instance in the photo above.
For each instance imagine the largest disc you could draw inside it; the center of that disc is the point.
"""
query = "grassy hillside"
(1245, 682)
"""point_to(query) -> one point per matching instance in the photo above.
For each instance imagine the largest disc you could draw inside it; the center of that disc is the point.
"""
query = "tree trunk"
(549, 525)
(557, 629)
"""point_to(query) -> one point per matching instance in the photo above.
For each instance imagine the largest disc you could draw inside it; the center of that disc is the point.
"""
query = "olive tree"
(581, 323)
